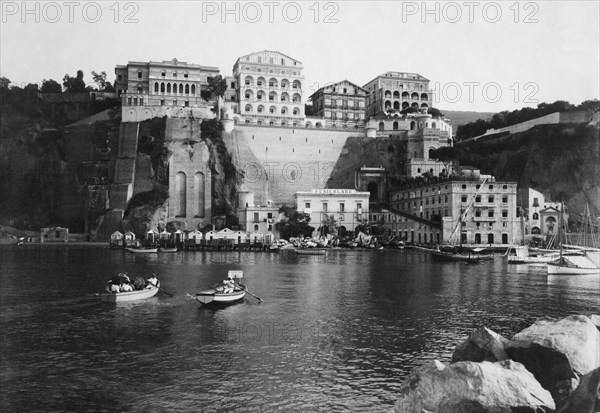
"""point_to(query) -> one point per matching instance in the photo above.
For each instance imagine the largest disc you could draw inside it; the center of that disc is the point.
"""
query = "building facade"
(396, 91)
(541, 215)
(347, 207)
(472, 210)
(269, 89)
(340, 105)
(166, 83)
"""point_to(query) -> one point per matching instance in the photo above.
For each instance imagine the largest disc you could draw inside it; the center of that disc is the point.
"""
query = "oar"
(255, 296)
(162, 289)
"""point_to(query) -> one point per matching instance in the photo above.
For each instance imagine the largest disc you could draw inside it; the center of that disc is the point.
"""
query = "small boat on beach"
(142, 250)
(121, 297)
(217, 293)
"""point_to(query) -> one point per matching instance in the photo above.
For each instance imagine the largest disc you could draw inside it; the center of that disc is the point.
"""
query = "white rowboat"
(130, 295)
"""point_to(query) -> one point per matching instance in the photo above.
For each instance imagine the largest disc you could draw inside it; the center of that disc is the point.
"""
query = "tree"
(591, 105)
(109, 87)
(294, 223)
(4, 82)
(436, 113)
(74, 84)
(217, 85)
(50, 86)
(329, 224)
(99, 79)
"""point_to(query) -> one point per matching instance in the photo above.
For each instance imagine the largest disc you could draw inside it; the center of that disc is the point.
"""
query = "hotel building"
(166, 83)
(341, 105)
(396, 91)
(269, 89)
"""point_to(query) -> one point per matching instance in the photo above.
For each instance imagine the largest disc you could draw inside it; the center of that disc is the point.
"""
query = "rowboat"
(162, 249)
(216, 295)
(142, 250)
(130, 295)
(577, 265)
(469, 257)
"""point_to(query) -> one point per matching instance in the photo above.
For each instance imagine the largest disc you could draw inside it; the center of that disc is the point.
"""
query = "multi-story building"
(269, 89)
(348, 207)
(396, 91)
(473, 210)
(541, 215)
(256, 218)
(166, 83)
(341, 104)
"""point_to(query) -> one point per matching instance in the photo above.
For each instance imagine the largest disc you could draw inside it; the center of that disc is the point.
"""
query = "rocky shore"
(551, 366)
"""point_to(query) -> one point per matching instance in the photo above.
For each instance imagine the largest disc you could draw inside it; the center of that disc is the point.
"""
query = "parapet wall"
(286, 160)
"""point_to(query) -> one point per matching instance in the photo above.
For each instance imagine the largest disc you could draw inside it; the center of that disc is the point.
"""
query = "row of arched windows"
(396, 105)
(405, 95)
(272, 83)
(273, 97)
(272, 110)
(174, 88)
(413, 125)
(181, 194)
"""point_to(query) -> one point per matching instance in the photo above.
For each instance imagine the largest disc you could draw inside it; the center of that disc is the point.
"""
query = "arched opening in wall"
(381, 126)
(248, 94)
(307, 124)
(168, 88)
(249, 81)
(342, 231)
(260, 109)
(187, 89)
(424, 96)
(415, 105)
(396, 94)
(535, 216)
(181, 88)
(260, 81)
(199, 187)
(193, 89)
(430, 154)
(248, 108)
(426, 124)
(296, 85)
(397, 105)
(550, 223)
(395, 125)
(272, 110)
(404, 105)
(373, 189)
(259, 122)
(424, 105)
(414, 96)
(296, 98)
(180, 190)
(388, 94)
(319, 125)
(283, 124)
(273, 82)
(162, 87)
(236, 120)
(284, 96)
(284, 110)
(412, 125)
(296, 111)
(272, 97)
(405, 95)
(155, 87)
(535, 230)
(260, 95)
(388, 105)
(433, 125)
(285, 83)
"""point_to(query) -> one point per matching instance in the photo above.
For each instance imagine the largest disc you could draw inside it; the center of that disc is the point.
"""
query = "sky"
(479, 55)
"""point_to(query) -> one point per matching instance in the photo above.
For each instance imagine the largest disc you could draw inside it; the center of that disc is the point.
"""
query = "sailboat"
(589, 263)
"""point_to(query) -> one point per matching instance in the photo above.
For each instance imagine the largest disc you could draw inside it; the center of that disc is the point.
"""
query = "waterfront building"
(347, 207)
(395, 91)
(166, 83)
(473, 209)
(269, 89)
(256, 218)
(541, 215)
(340, 104)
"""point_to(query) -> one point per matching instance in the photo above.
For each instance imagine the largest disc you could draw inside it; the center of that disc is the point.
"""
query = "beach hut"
(193, 239)
(116, 239)
(269, 238)
(256, 236)
(178, 237)
(54, 234)
(129, 239)
(151, 237)
(239, 237)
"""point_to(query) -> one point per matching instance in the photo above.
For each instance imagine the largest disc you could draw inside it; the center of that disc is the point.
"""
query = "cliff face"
(561, 161)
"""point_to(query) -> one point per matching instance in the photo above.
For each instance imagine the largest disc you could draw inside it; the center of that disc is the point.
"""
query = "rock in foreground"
(484, 387)
(558, 352)
(482, 344)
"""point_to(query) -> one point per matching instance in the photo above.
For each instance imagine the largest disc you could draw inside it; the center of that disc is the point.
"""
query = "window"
(162, 102)
(307, 205)
(491, 213)
(270, 227)
(342, 207)
(255, 227)
(163, 74)
(504, 213)
(139, 74)
(463, 199)
(325, 206)
(478, 198)
(504, 199)
(341, 217)
(491, 199)
(491, 186)
(174, 75)
(185, 75)
(256, 217)
(270, 215)
(359, 205)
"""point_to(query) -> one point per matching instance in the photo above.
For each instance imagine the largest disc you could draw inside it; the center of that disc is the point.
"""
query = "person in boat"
(228, 285)
(152, 281)
(125, 288)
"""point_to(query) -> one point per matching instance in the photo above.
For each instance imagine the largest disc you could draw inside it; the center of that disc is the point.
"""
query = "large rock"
(482, 344)
(466, 387)
(558, 352)
(596, 320)
(586, 398)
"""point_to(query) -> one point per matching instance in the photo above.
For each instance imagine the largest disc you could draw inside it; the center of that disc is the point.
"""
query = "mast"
(560, 229)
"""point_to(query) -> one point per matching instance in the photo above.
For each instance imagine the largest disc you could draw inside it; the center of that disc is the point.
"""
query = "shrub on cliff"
(293, 223)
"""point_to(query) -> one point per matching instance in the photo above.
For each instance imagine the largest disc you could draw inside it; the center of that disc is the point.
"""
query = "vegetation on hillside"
(507, 118)
(293, 223)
